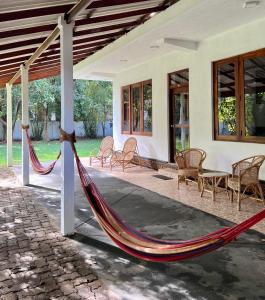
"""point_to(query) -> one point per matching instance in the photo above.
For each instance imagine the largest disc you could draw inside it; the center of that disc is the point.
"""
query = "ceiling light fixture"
(251, 4)
(152, 14)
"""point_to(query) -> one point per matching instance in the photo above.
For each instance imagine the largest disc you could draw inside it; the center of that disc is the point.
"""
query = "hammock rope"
(141, 245)
(37, 166)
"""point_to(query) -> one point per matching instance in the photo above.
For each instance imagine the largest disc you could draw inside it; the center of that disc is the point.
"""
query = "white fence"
(53, 130)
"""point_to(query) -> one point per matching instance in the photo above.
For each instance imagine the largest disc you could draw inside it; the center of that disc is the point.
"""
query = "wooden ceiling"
(25, 24)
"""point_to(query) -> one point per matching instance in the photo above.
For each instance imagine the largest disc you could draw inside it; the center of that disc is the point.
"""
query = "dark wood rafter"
(76, 41)
(59, 9)
(55, 48)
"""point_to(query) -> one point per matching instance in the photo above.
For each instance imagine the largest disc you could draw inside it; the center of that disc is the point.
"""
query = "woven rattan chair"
(124, 158)
(245, 179)
(189, 164)
(105, 150)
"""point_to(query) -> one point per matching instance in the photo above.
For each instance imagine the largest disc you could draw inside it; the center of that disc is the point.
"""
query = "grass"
(49, 151)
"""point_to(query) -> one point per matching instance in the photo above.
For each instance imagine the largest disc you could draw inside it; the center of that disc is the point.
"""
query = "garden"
(92, 116)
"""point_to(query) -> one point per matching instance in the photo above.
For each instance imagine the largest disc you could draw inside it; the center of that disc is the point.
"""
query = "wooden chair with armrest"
(105, 151)
(125, 157)
(189, 164)
(244, 182)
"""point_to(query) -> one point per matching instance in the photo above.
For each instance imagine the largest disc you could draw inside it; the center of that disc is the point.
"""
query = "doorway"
(178, 112)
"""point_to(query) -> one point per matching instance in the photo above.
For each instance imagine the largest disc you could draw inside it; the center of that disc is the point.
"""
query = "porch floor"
(155, 206)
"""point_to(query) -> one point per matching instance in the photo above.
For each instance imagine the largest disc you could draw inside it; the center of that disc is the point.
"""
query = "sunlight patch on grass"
(49, 151)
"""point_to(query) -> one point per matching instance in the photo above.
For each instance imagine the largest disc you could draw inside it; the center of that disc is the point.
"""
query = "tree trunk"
(46, 132)
(103, 128)
(3, 122)
(17, 109)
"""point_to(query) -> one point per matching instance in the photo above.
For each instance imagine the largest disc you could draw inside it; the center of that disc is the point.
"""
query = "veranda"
(38, 262)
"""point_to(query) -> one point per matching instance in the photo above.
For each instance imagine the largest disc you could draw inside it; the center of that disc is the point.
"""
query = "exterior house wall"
(220, 154)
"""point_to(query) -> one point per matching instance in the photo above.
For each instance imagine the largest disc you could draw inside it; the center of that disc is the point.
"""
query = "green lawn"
(49, 151)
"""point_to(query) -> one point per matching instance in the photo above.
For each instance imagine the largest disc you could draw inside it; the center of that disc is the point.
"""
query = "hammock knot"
(24, 126)
(70, 137)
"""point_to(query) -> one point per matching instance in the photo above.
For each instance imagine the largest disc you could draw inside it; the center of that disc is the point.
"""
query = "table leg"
(213, 188)
(202, 186)
(226, 187)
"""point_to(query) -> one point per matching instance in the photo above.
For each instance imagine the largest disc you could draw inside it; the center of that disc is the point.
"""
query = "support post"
(9, 125)
(25, 121)
(67, 123)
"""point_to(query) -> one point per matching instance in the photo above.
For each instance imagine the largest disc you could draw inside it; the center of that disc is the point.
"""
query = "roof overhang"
(25, 24)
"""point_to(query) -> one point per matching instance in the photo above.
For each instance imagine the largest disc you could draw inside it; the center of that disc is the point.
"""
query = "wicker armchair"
(189, 164)
(105, 150)
(124, 158)
(245, 179)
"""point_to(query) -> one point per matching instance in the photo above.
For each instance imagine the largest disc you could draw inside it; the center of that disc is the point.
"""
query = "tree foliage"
(92, 105)
(16, 108)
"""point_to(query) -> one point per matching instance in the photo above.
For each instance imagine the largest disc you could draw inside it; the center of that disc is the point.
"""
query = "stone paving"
(36, 261)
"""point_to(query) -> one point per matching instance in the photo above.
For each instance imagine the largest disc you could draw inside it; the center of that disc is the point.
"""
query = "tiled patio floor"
(220, 275)
(188, 195)
(36, 262)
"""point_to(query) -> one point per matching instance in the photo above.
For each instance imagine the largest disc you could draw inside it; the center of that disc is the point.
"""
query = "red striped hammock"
(146, 247)
(36, 164)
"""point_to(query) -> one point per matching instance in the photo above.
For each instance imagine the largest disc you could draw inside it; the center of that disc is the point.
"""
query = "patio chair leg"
(231, 195)
(261, 193)
(239, 200)
(90, 160)
(199, 185)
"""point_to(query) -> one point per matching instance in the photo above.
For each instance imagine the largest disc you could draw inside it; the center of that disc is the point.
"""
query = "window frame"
(136, 85)
(122, 110)
(240, 98)
(147, 133)
(130, 88)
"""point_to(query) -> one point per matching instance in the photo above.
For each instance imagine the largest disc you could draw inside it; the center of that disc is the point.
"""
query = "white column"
(67, 124)
(25, 121)
(9, 123)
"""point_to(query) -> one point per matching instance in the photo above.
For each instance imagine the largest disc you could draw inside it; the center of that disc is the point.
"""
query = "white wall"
(220, 154)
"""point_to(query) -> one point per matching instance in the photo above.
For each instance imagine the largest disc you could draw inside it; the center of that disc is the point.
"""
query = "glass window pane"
(182, 138)
(254, 88)
(136, 107)
(179, 79)
(181, 120)
(126, 109)
(148, 107)
(226, 93)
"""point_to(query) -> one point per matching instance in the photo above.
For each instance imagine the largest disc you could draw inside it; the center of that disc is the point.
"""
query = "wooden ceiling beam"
(105, 28)
(59, 9)
(36, 12)
(28, 30)
(25, 43)
(117, 16)
(20, 60)
(87, 21)
(52, 48)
